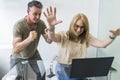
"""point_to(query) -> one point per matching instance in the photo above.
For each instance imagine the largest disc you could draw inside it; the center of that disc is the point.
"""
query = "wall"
(109, 18)
(12, 10)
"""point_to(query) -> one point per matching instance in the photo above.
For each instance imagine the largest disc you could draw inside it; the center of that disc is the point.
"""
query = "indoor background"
(102, 15)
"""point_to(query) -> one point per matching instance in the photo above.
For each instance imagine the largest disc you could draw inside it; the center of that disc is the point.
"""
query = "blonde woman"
(74, 42)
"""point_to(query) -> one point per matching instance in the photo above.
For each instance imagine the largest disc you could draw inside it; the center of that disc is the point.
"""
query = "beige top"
(69, 50)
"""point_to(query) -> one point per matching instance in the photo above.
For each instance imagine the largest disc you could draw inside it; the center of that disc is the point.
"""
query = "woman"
(74, 42)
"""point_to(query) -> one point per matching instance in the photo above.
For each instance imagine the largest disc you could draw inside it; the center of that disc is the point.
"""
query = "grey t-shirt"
(21, 30)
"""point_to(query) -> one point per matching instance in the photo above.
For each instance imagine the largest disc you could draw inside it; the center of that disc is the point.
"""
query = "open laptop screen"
(90, 67)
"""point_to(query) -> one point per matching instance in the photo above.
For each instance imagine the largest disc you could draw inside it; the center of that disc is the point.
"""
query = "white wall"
(12, 10)
(109, 18)
(107, 22)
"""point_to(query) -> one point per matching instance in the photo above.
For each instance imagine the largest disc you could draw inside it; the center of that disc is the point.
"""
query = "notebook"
(89, 67)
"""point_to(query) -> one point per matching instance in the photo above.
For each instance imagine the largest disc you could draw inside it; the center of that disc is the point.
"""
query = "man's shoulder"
(41, 22)
(20, 21)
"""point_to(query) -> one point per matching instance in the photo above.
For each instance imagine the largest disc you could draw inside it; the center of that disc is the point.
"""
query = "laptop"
(89, 67)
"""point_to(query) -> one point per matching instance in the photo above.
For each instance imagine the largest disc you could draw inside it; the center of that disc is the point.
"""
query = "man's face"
(34, 14)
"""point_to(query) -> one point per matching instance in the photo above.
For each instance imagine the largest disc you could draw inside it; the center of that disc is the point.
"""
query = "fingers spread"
(45, 14)
(54, 11)
(51, 12)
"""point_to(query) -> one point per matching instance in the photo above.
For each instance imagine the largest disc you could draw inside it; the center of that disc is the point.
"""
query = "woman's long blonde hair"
(84, 36)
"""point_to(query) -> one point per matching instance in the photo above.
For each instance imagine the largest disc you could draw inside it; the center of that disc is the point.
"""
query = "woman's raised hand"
(116, 32)
(51, 17)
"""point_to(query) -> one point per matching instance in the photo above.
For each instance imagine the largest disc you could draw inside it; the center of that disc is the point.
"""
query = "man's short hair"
(35, 3)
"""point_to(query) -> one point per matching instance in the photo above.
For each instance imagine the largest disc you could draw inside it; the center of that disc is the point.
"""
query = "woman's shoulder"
(63, 34)
(90, 36)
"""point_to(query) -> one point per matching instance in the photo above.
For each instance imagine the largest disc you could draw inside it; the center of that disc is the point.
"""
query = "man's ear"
(28, 11)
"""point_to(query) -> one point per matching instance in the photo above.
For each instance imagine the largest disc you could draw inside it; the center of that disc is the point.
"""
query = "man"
(26, 34)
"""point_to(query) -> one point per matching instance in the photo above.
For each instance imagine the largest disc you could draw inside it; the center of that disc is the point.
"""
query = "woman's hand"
(115, 32)
(51, 17)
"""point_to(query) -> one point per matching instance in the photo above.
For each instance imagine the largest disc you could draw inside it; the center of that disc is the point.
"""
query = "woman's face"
(79, 27)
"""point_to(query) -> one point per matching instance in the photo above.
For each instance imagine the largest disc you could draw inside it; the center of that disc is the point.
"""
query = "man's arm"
(19, 44)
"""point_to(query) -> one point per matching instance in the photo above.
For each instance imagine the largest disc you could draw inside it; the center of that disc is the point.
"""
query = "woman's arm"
(101, 43)
(107, 41)
(52, 21)
(53, 36)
